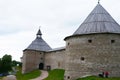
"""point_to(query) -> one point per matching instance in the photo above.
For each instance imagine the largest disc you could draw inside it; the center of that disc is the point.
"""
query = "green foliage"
(15, 63)
(56, 74)
(0, 65)
(0, 78)
(97, 78)
(5, 63)
(27, 76)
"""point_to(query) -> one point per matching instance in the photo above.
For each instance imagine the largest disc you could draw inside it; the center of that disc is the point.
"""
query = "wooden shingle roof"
(39, 44)
(98, 21)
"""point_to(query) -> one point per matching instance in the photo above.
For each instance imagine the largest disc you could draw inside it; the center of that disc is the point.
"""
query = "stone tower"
(33, 55)
(94, 47)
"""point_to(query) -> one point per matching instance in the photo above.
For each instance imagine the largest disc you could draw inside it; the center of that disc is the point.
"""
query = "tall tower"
(33, 55)
(94, 47)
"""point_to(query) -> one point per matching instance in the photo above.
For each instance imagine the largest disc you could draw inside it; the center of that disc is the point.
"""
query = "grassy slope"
(27, 76)
(56, 74)
(97, 78)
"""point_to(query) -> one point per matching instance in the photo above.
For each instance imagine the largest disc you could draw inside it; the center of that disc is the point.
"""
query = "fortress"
(93, 48)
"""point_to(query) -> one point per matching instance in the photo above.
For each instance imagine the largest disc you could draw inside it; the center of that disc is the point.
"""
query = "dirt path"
(43, 75)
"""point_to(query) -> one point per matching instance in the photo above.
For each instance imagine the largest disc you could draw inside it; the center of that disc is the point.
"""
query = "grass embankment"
(97, 78)
(0, 78)
(27, 76)
(56, 74)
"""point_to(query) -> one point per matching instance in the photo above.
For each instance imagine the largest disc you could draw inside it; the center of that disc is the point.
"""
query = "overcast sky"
(20, 21)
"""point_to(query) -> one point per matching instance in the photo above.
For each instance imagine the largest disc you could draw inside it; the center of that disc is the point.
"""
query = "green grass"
(97, 78)
(56, 74)
(0, 78)
(28, 76)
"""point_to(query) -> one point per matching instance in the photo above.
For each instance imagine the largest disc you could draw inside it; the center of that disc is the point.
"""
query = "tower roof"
(98, 21)
(39, 32)
(39, 44)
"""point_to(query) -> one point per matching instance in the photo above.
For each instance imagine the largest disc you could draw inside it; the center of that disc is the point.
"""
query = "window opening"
(82, 58)
(68, 44)
(68, 77)
(90, 41)
(112, 41)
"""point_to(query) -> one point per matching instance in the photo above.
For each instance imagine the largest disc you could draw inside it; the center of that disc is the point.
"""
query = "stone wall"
(31, 60)
(92, 54)
(55, 59)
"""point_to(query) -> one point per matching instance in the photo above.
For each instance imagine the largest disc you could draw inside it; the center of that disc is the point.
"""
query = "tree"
(16, 63)
(6, 63)
(0, 65)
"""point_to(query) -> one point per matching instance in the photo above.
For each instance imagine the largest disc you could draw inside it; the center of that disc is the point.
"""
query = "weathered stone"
(99, 55)
(91, 50)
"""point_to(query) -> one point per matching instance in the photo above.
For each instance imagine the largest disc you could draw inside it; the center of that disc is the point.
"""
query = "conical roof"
(39, 44)
(39, 32)
(98, 21)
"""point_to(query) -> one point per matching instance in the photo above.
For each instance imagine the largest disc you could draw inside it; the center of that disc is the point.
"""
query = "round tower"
(94, 47)
(33, 55)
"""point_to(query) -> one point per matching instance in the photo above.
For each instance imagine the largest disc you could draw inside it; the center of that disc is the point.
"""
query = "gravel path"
(43, 75)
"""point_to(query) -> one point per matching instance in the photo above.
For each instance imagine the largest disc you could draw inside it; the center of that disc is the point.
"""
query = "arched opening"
(41, 66)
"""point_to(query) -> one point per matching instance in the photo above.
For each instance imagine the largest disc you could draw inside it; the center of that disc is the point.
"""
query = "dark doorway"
(41, 66)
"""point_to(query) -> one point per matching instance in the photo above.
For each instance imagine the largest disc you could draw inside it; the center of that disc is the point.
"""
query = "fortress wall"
(55, 59)
(31, 60)
(92, 54)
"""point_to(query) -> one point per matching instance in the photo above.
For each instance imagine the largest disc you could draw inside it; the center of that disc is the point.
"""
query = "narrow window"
(82, 58)
(90, 41)
(68, 77)
(112, 41)
(68, 44)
